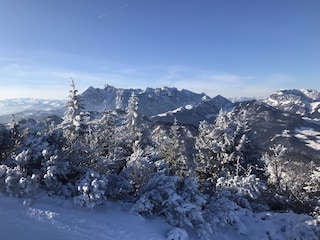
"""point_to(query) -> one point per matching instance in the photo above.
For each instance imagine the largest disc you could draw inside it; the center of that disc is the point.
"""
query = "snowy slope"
(274, 126)
(303, 102)
(207, 109)
(53, 218)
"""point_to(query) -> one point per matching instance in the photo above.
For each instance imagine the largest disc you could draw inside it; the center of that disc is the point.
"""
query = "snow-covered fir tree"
(205, 157)
(223, 148)
(74, 128)
(132, 117)
(173, 151)
(179, 200)
(312, 187)
(91, 189)
(286, 179)
(275, 165)
(74, 113)
(313, 182)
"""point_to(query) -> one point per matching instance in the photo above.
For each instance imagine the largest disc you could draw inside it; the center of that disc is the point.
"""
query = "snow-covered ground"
(53, 218)
(309, 136)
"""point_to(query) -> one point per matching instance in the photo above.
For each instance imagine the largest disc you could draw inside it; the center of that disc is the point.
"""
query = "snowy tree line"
(196, 178)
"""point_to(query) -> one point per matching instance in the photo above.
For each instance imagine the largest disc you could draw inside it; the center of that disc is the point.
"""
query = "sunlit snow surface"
(53, 218)
(309, 136)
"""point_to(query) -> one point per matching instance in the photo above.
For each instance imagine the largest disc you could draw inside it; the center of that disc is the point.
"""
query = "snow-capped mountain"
(15, 105)
(207, 109)
(152, 101)
(280, 119)
(30, 108)
(303, 102)
(255, 157)
(159, 104)
(274, 126)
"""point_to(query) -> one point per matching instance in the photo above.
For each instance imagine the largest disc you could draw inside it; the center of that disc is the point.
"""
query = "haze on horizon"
(232, 48)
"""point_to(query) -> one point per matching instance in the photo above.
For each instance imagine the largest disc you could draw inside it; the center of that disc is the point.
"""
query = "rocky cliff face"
(152, 101)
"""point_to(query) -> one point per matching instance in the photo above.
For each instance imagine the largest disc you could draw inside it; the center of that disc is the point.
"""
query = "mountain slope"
(274, 126)
(303, 102)
(207, 110)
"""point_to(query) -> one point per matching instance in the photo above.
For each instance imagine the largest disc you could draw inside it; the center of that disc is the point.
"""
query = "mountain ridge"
(289, 117)
(152, 101)
(163, 104)
(302, 102)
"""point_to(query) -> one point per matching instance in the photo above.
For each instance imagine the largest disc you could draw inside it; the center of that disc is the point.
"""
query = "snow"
(285, 133)
(314, 106)
(170, 112)
(272, 102)
(309, 136)
(188, 107)
(312, 120)
(54, 218)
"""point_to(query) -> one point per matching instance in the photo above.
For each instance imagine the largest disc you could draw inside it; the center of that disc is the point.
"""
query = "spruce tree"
(73, 118)
(74, 129)
(173, 151)
(132, 116)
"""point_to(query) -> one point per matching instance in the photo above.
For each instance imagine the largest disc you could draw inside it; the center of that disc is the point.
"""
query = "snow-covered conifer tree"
(74, 128)
(73, 124)
(179, 200)
(286, 178)
(312, 188)
(275, 165)
(91, 190)
(6, 142)
(223, 148)
(313, 183)
(173, 151)
(205, 157)
(13, 126)
(132, 117)
(74, 108)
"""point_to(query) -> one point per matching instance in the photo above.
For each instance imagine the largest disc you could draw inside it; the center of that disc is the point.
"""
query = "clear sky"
(228, 47)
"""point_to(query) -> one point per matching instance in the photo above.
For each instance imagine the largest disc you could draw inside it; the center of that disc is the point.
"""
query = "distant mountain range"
(163, 104)
(289, 117)
(30, 108)
(152, 101)
(159, 104)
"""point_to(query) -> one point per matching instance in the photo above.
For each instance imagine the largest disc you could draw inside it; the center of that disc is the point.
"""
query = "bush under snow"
(91, 190)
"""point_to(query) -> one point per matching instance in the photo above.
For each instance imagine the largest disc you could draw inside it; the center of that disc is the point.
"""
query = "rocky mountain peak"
(302, 102)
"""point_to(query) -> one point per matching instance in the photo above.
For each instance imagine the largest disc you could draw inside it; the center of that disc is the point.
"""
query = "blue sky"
(228, 47)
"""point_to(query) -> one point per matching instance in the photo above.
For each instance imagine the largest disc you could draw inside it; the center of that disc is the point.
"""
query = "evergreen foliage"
(91, 189)
(224, 148)
(173, 151)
